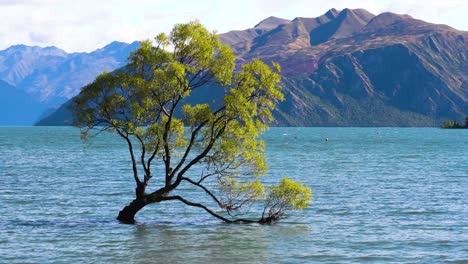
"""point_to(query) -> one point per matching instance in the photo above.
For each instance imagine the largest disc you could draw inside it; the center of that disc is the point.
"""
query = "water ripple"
(395, 197)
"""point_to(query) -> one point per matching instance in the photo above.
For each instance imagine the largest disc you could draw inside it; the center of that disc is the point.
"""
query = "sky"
(86, 25)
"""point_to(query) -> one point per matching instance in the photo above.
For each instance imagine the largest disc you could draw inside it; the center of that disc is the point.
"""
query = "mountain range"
(350, 68)
(35, 80)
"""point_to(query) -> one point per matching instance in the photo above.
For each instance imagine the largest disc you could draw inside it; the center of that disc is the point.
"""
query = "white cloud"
(87, 24)
(450, 12)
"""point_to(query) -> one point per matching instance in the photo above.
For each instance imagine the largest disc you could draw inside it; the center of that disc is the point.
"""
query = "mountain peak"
(334, 24)
(34, 50)
(115, 45)
(271, 22)
(332, 13)
(391, 17)
(359, 13)
(386, 19)
(118, 47)
(25, 47)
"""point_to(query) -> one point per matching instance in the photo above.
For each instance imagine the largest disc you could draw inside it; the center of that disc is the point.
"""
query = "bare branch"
(156, 149)
(206, 190)
(189, 146)
(201, 155)
(143, 152)
(167, 157)
(130, 149)
(220, 170)
(187, 202)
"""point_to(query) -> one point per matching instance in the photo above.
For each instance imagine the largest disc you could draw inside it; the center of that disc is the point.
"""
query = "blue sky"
(85, 25)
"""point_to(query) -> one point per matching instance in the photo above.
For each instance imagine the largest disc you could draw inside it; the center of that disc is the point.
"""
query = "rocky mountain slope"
(34, 79)
(352, 68)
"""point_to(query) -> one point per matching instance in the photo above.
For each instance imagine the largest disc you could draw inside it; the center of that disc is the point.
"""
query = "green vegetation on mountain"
(455, 124)
(351, 68)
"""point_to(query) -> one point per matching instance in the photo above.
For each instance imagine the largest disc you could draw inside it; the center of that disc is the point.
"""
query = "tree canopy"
(214, 145)
(455, 124)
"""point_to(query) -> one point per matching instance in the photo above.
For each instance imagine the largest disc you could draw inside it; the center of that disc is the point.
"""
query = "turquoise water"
(380, 195)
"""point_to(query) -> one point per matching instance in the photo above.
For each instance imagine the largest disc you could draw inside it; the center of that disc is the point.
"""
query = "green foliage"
(451, 124)
(287, 195)
(144, 104)
(238, 194)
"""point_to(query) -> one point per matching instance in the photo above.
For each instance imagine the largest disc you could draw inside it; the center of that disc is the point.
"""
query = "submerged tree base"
(127, 214)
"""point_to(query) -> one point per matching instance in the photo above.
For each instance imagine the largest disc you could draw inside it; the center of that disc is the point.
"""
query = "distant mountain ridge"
(47, 77)
(352, 68)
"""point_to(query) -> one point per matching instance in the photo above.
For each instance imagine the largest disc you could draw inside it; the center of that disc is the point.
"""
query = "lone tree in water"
(213, 147)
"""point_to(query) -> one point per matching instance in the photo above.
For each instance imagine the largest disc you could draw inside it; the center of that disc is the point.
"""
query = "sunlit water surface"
(379, 195)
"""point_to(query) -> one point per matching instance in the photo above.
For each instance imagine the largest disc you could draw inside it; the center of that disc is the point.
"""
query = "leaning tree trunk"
(127, 215)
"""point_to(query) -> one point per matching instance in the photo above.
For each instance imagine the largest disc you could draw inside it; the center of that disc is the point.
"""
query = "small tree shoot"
(212, 146)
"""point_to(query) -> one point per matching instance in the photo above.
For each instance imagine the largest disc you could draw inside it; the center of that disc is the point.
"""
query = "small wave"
(110, 194)
(52, 222)
(373, 258)
(421, 212)
(318, 257)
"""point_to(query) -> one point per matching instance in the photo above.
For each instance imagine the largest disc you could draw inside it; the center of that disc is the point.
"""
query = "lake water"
(379, 195)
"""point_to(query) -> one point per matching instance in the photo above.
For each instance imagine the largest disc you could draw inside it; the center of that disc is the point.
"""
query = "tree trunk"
(127, 215)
